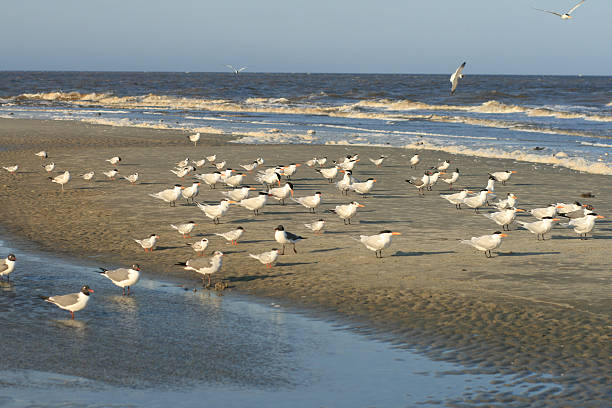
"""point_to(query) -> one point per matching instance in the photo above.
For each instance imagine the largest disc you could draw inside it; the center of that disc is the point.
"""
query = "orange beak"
(360, 205)
(600, 216)
(374, 180)
(503, 235)
(396, 233)
(520, 210)
(291, 193)
(252, 188)
(513, 172)
(556, 219)
(91, 290)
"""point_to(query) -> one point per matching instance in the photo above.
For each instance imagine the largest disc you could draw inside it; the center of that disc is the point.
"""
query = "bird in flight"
(563, 16)
(236, 71)
(454, 79)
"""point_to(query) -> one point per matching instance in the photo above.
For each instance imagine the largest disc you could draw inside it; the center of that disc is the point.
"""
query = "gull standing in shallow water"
(378, 242)
(7, 266)
(72, 302)
(204, 267)
(455, 77)
(564, 16)
(267, 258)
(486, 243)
(123, 277)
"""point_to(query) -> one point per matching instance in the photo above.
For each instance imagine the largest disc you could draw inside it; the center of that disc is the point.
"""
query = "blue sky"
(386, 36)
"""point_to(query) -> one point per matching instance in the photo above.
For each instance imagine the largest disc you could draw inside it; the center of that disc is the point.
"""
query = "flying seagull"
(236, 71)
(454, 79)
(563, 16)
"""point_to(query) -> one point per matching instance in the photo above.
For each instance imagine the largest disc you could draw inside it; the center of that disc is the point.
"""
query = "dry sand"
(535, 307)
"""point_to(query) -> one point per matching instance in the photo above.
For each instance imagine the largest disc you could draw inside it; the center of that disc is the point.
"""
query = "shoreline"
(522, 305)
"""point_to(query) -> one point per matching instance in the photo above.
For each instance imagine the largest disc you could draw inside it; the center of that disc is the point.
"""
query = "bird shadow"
(149, 183)
(164, 248)
(248, 278)
(578, 238)
(528, 253)
(421, 253)
(325, 250)
(293, 263)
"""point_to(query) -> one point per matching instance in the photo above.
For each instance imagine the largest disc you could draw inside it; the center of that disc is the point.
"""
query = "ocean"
(559, 120)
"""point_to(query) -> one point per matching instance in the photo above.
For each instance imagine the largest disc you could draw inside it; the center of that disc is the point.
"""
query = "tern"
(344, 185)
(132, 178)
(88, 176)
(477, 201)
(563, 208)
(504, 217)
(191, 192)
(61, 179)
(539, 227)
(123, 277)
(422, 183)
(211, 158)
(455, 77)
(233, 236)
(289, 171)
(281, 193)
(204, 267)
(235, 181)
(378, 242)
(185, 229)
(220, 165)
(486, 243)
(347, 211)
(210, 178)
(502, 176)
(312, 162)
(49, 167)
(215, 212)
(586, 209)
(7, 266)
(445, 165)
(169, 195)
(508, 202)
(348, 165)
(310, 202)
(414, 160)
(582, 226)
(11, 169)
(111, 173)
(564, 16)
(199, 246)
(268, 178)
(363, 188)
(194, 138)
(321, 161)
(542, 212)
(199, 163)
(182, 163)
(266, 258)
(148, 244)
(114, 160)
(453, 178)
(250, 166)
(255, 203)
(316, 226)
(72, 302)
(238, 194)
(284, 237)
(456, 198)
(378, 162)
(234, 70)
(42, 154)
(183, 171)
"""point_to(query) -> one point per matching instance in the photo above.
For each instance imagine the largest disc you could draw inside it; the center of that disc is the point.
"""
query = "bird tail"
(181, 263)
(102, 270)
(138, 240)
(332, 211)
(465, 241)
(174, 226)
(254, 256)
(410, 181)
(46, 298)
(154, 195)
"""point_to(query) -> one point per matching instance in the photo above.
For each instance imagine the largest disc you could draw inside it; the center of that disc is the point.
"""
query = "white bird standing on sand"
(444, 165)
(455, 77)
(453, 178)
(378, 162)
(486, 243)
(564, 208)
(321, 161)
(220, 165)
(123, 277)
(185, 229)
(290, 170)
(268, 178)
(182, 163)
(191, 192)
(148, 244)
(347, 211)
(42, 154)
(284, 237)
(236, 180)
(234, 70)
(132, 178)
(215, 212)
(169, 195)
(233, 236)
(422, 183)
(61, 179)
(266, 258)
(477, 201)
(238, 194)
(205, 267)
(582, 226)
(7, 266)
(456, 198)
(508, 202)
(542, 212)
(255, 203)
(111, 173)
(364, 187)
(194, 138)
(199, 163)
(539, 227)
(199, 246)
(316, 226)
(250, 166)
(344, 185)
(563, 16)
(210, 178)
(11, 169)
(312, 162)
(433, 178)
(504, 217)
(183, 171)
(114, 160)
(211, 158)
(72, 302)
(49, 167)
(310, 202)
(348, 165)
(502, 176)
(414, 160)
(378, 242)
(88, 176)
(281, 193)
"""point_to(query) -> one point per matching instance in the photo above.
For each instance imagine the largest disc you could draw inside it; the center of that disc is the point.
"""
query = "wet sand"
(537, 307)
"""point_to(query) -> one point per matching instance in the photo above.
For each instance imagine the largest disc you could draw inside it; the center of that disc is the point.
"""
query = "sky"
(354, 36)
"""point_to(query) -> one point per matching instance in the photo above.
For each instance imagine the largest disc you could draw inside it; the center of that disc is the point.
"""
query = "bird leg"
(123, 291)
(71, 314)
(294, 250)
(283, 253)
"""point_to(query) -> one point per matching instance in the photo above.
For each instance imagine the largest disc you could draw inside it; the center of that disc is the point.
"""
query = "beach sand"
(536, 307)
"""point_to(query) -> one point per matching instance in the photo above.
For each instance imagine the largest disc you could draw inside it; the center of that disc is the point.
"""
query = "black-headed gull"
(122, 277)
(7, 266)
(285, 237)
(72, 302)
(455, 77)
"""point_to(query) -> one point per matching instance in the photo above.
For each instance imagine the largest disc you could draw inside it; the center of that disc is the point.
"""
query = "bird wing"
(292, 237)
(65, 300)
(118, 275)
(243, 68)
(547, 11)
(3, 267)
(575, 7)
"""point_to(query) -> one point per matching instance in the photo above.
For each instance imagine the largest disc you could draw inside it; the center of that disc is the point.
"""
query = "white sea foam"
(609, 146)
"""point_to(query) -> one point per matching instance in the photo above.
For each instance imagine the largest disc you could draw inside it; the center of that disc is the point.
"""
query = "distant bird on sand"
(378, 242)
(266, 258)
(236, 71)
(148, 244)
(11, 169)
(61, 179)
(114, 160)
(563, 16)
(42, 154)
(49, 167)
(486, 243)
(454, 79)
(194, 138)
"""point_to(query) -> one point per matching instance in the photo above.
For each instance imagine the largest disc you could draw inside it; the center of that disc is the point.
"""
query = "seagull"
(502, 176)
(563, 16)
(199, 163)
(114, 160)
(7, 266)
(194, 138)
(169, 195)
(378, 162)
(457, 75)
(234, 70)
(378, 242)
(290, 170)
(509, 202)
(209, 178)
(539, 227)
(148, 243)
(111, 173)
(11, 169)
(184, 229)
(132, 178)
(542, 212)
(582, 226)
(486, 243)
(42, 154)
(61, 179)
(316, 226)
(205, 267)
(444, 165)
(255, 203)
(267, 258)
(281, 193)
(456, 198)
(123, 277)
(199, 246)
(191, 192)
(504, 217)
(453, 178)
(72, 302)
(414, 160)
(49, 167)
(238, 194)
(347, 211)
(233, 236)
(477, 201)
(310, 202)
(363, 188)
(344, 185)
(433, 178)
(88, 176)
(284, 237)
(215, 212)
